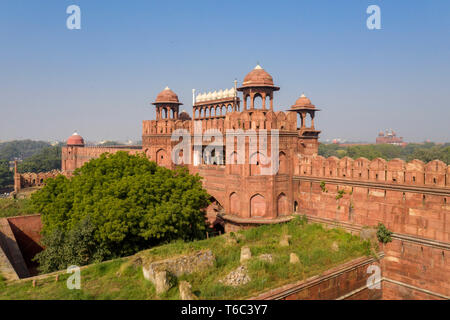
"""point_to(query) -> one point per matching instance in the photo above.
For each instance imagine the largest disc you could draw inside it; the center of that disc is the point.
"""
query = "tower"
(257, 83)
(308, 135)
(70, 154)
(156, 134)
(167, 105)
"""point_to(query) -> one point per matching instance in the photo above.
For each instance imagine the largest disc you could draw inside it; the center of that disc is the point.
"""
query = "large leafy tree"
(130, 203)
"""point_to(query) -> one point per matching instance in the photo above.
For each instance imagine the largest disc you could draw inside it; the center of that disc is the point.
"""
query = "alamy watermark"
(74, 281)
(374, 280)
(374, 20)
(74, 20)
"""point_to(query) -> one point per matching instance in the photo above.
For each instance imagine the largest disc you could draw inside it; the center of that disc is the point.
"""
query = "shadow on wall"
(20, 241)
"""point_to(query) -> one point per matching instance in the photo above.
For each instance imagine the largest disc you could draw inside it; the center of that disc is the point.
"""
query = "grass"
(15, 207)
(123, 279)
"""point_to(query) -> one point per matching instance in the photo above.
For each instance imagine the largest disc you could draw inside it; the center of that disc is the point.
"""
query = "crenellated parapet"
(396, 171)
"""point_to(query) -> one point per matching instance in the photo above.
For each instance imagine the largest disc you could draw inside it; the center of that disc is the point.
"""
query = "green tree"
(131, 202)
(6, 175)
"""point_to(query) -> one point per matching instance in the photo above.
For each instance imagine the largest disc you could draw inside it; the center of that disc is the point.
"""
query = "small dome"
(381, 134)
(184, 115)
(257, 77)
(303, 100)
(167, 96)
(75, 140)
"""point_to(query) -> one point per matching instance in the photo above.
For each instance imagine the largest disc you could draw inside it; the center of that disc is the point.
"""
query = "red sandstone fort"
(410, 198)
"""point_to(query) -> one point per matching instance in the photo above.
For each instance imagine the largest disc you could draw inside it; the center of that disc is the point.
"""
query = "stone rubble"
(237, 277)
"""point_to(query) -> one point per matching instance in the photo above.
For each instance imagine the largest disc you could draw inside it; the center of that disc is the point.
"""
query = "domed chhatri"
(167, 96)
(258, 77)
(75, 140)
(303, 102)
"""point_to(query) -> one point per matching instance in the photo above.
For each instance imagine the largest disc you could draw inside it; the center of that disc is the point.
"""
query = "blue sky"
(100, 80)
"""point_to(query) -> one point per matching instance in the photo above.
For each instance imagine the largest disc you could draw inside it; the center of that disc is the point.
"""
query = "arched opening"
(257, 101)
(267, 105)
(247, 102)
(307, 119)
(229, 108)
(257, 206)
(283, 168)
(235, 169)
(295, 206)
(235, 207)
(299, 121)
(213, 212)
(282, 205)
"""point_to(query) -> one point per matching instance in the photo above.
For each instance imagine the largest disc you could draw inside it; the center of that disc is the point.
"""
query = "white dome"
(208, 96)
(214, 95)
(220, 94)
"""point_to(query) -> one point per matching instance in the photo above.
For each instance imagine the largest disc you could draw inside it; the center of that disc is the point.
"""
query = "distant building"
(390, 137)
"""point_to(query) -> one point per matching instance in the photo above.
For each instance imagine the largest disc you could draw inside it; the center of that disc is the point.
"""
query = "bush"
(130, 204)
(76, 247)
(383, 234)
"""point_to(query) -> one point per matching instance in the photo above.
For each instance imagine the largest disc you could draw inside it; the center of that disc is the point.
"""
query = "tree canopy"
(6, 176)
(47, 159)
(128, 202)
(20, 149)
(425, 152)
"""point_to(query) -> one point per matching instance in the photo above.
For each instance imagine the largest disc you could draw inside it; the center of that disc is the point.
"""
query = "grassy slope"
(15, 207)
(123, 279)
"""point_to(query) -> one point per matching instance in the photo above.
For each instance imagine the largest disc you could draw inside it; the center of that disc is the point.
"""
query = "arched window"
(257, 206)
(234, 204)
(283, 167)
(282, 205)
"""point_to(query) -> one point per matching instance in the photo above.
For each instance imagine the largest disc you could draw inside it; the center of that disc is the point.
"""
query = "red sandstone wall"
(421, 266)
(412, 213)
(392, 291)
(27, 230)
(411, 199)
(336, 283)
(76, 157)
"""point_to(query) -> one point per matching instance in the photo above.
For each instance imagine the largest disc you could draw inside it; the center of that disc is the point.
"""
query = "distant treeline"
(425, 152)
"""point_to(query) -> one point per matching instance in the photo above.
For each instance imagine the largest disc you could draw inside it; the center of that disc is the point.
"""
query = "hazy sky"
(100, 80)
